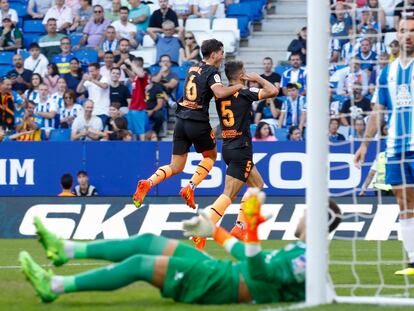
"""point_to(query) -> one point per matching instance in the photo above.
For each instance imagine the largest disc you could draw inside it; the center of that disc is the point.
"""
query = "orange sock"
(219, 207)
(201, 172)
(221, 236)
(160, 175)
(240, 216)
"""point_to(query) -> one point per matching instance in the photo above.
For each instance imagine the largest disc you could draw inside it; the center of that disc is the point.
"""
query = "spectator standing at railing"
(295, 74)
(86, 126)
(298, 45)
(263, 133)
(125, 29)
(161, 15)
(37, 9)
(19, 76)
(10, 36)
(6, 11)
(113, 13)
(268, 73)
(82, 16)
(50, 43)
(62, 14)
(139, 15)
(84, 188)
(36, 62)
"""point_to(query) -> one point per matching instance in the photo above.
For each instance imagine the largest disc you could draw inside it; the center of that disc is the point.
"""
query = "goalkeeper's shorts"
(399, 171)
(207, 281)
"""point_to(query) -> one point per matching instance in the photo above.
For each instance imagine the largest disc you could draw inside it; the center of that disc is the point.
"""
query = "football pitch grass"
(17, 294)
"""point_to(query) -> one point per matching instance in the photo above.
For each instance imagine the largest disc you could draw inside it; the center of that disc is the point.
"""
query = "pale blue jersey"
(395, 93)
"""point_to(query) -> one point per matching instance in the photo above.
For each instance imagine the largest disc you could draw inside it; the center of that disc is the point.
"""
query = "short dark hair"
(115, 68)
(116, 105)
(66, 181)
(294, 54)
(29, 102)
(94, 64)
(165, 55)
(210, 46)
(292, 86)
(123, 8)
(268, 58)
(121, 123)
(108, 53)
(123, 39)
(51, 20)
(34, 45)
(233, 69)
(82, 173)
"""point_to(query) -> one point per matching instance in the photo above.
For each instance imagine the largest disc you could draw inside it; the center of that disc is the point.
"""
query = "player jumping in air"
(234, 113)
(180, 271)
(192, 125)
(394, 96)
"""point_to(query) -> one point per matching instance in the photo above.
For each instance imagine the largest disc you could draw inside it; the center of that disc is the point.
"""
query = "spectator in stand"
(348, 76)
(10, 36)
(5, 11)
(11, 109)
(268, 111)
(52, 78)
(19, 76)
(268, 73)
(74, 6)
(37, 9)
(82, 17)
(356, 106)
(334, 50)
(62, 14)
(139, 15)
(66, 182)
(204, 8)
(125, 29)
(190, 53)
(367, 22)
(30, 124)
(394, 50)
(114, 113)
(84, 189)
(367, 57)
(378, 14)
(161, 15)
(32, 93)
(374, 77)
(377, 45)
(182, 8)
(50, 43)
(74, 76)
(166, 43)
(70, 110)
(86, 126)
(334, 136)
(294, 134)
(166, 78)
(263, 133)
(36, 62)
(137, 116)
(402, 9)
(98, 90)
(296, 74)
(293, 110)
(358, 129)
(113, 14)
(119, 92)
(123, 53)
(298, 45)
(110, 42)
(155, 99)
(63, 59)
(349, 49)
(105, 70)
(341, 22)
(57, 97)
(94, 30)
(46, 108)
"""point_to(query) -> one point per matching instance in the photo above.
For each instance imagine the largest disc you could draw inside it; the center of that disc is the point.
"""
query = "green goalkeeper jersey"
(276, 275)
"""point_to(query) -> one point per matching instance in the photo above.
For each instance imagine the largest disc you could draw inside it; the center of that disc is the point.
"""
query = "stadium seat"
(148, 54)
(182, 73)
(180, 89)
(4, 69)
(241, 9)
(86, 56)
(148, 42)
(75, 38)
(200, 36)
(281, 134)
(228, 38)
(197, 24)
(21, 8)
(33, 26)
(227, 24)
(24, 53)
(257, 9)
(6, 58)
(243, 23)
(253, 129)
(60, 135)
(29, 38)
(154, 69)
(280, 69)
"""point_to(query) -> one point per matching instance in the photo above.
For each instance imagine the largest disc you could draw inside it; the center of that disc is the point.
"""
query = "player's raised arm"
(221, 91)
(269, 90)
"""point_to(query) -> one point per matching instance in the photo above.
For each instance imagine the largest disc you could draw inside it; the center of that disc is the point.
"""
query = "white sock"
(407, 234)
(69, 248)
(57, 284)
(252, 249)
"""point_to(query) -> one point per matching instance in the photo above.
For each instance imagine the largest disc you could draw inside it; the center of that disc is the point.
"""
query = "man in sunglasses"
(94, 30)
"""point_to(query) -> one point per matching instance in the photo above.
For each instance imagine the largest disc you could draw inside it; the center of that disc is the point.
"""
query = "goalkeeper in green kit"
(180, 271)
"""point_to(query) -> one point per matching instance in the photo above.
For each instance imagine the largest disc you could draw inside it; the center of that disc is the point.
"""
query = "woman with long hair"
(32, 93)
(263, 133)
(61, 88)
(52, 77)
(70, 109)
(190, 55)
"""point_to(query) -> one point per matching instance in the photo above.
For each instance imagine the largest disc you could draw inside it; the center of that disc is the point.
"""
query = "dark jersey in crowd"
(195, 102)
(264, 108)
(26, 75)
(273, 78)
(157, 18)
(364, 104)
(153, 94)
(119, 94)
(234, 114)
(403, 10)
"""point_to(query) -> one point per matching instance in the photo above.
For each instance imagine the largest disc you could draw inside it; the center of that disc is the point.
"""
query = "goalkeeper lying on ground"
(180, 271)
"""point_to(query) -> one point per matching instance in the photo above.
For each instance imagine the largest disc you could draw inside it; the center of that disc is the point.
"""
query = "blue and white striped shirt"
(74, 111)
(294, 76)
(395, 93)
(47, 106)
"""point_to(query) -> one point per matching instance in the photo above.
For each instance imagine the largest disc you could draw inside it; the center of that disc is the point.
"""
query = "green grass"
(17, 294)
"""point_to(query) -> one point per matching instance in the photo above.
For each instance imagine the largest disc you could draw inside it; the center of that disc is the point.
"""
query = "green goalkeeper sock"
(135, 268)
(118, 250)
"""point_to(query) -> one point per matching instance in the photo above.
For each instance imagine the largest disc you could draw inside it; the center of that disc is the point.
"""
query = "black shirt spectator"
(158, 17)
(273, 78)
(119, 94)
(401, 10)
(364, 103)
(299, 45)
(19, 76)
